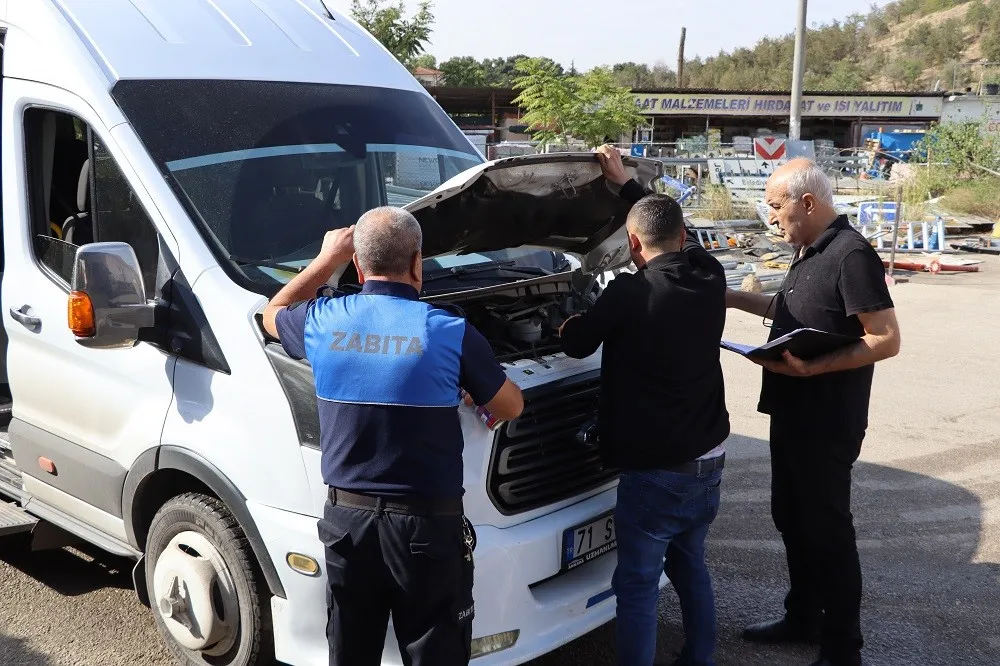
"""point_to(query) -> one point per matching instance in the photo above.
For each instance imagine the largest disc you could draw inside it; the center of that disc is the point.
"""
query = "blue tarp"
(897, 144)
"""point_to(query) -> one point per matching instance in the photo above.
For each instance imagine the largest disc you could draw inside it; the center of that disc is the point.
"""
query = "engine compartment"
(523, 321)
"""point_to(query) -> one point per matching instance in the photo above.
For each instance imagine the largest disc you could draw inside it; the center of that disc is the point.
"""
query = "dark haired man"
(662, 417)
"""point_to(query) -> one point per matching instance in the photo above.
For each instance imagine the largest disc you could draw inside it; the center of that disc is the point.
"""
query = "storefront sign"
(828, 106)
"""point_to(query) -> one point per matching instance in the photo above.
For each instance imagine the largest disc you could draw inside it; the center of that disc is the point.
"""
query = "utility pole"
(680, 60)
(798, 71)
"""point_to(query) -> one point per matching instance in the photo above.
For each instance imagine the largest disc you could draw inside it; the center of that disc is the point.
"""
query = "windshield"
(266, 168)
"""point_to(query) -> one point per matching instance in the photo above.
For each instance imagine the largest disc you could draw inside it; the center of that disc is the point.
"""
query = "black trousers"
(418, 569)
(811, 507)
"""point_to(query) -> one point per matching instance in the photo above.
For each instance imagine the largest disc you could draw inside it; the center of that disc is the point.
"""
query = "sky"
(593, 32)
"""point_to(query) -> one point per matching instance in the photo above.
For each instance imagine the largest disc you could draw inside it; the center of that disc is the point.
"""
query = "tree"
(501, 72)
(632, 75)
(846, 75)
(920, 38)
(977, 16)
(663, 75)
(425, 60)
(463, 72)
(960, 146)
(948, 42)
(607, 109)
(404, 38)
(991, 35)
(592, 107)
(955, 75)
(903, 73)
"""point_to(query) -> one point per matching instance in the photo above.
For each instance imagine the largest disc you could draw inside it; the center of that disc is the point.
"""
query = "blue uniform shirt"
(389, 369)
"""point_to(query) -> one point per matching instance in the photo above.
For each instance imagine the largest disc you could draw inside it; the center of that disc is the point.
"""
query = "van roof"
(273, 40)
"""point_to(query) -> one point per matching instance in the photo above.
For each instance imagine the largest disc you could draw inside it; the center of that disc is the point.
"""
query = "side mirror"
(107, 306)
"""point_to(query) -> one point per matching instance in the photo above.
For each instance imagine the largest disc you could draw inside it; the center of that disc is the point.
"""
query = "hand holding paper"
(790, 365)
(790, 351)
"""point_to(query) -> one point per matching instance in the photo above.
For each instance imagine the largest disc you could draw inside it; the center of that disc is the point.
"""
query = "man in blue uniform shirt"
(389, 371)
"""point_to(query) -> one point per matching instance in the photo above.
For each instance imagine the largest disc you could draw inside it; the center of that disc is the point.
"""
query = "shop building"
(840, 119)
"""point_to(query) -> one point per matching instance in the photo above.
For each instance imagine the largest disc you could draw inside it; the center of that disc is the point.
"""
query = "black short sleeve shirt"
(827, 286)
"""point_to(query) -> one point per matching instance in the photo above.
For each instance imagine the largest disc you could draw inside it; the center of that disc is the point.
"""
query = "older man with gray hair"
(389, 372)
(819, 408)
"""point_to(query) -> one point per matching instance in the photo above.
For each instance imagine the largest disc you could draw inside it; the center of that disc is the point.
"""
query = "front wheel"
(205, 587)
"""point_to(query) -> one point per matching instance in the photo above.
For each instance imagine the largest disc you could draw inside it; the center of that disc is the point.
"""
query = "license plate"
(588, 541)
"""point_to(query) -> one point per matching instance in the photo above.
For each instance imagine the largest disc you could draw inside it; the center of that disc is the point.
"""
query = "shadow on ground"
(14, 651)
(70, 571)
(926, 601)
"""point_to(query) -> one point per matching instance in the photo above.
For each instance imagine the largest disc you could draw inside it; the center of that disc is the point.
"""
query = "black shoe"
(783, 631)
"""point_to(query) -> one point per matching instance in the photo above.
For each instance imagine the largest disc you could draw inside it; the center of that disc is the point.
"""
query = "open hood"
(556, 202)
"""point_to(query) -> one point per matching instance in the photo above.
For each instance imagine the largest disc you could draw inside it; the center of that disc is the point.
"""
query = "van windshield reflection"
(285, 198)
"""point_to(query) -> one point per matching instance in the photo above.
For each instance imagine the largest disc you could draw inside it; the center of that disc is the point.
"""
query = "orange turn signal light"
(81, 315)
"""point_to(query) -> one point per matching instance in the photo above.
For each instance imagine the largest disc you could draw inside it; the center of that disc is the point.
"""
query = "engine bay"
(523, 322)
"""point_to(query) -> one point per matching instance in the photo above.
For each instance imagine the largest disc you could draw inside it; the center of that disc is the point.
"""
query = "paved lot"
(927, 506)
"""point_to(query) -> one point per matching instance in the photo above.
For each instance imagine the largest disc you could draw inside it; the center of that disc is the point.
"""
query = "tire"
(195, 532)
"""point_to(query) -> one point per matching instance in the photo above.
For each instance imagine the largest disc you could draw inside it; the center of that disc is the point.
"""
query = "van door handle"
(26, 320)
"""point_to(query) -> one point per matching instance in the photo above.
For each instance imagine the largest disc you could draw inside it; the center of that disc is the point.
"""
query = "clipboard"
(805, 343)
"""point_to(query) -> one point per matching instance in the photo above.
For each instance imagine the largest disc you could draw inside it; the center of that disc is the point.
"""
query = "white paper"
(738, 348)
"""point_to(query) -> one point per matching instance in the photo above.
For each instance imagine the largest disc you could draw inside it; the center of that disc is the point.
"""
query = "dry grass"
(717, 204)
(978, 197)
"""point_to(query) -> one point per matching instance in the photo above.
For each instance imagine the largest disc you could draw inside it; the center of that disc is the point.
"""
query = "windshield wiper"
(266, 263)
(461, 271)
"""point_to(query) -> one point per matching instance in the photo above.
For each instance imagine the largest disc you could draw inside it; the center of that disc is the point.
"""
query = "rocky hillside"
(905, 45)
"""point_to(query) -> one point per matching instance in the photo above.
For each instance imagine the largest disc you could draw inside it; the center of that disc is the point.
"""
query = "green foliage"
(902, 9)
(842, 55)
(936, 45)
(959, 146)
(607, 109)
(463, 72)
(636, 76)
(404, 38)
(846, 75)
(991, 33)
(956, 75)
(466, 71)
(977, 16)
(592, 108)
(847, 55)
(903, 73)
(425, 60)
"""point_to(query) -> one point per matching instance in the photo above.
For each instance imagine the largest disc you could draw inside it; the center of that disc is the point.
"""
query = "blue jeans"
(661, 523)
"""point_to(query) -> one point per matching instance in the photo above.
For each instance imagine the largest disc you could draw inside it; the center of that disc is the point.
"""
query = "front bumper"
(517, 587)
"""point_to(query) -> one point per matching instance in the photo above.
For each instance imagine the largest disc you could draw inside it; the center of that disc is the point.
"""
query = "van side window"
(120, 217)
(58, 187)
(78, 195)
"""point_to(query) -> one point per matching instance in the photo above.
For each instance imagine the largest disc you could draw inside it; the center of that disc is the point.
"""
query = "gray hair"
(386, 240)
(809, 179)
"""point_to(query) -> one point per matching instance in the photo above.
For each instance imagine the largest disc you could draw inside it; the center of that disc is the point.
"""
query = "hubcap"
(195, 595)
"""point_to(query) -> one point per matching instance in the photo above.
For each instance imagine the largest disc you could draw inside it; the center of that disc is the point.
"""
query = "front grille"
(536, 459)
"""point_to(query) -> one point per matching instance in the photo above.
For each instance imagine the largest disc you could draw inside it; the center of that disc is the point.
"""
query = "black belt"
(701, 466)
(410, 506)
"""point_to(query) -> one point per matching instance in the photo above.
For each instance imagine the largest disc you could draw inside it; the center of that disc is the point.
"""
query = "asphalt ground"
(926, 504)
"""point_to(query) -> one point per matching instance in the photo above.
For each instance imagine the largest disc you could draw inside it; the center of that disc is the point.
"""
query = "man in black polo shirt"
(662, 417)
(389, 369)
(819, 408)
